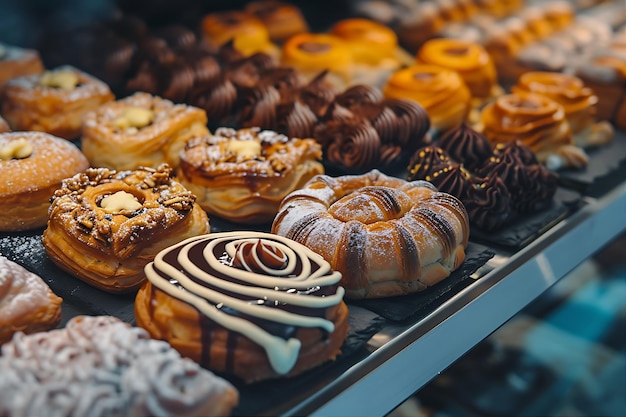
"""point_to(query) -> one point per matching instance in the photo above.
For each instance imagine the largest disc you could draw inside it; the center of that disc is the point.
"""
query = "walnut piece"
(134, 117)
(64, 79)
(119, 202)
(16, 149)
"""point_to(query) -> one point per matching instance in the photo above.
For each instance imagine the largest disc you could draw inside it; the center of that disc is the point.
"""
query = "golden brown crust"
(385, 235)
(246, 185)
(281, 19)
(30, 181)
(16, 62)
(111, 140)
(27, 304)
(109, 248)
(30, 104)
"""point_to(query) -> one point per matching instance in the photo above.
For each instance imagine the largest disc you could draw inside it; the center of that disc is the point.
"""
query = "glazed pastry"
(248, 304)
(140, 130)
(281, 19)
(242, 175)
(53, 101)
(101, 366)
(246, 31)
(578, 101)
(105, 225)
(536, 121)
(442, 92)
(33, 165)
(27, 304)
(386, 236)
(16, 62)
(312, 53)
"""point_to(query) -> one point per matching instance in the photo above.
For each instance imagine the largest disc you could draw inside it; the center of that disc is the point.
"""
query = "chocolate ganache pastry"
(249, 304)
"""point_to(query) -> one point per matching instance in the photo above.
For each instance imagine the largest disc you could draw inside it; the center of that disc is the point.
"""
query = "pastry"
(242, 175)
(27, 304)
(53, 101)
(140, 130)
(281, 19)
(246, 31)
(536, 121)
(248, 304)
(442, 92)
(105, 225)
(16, 62)
(385, 235)
(578, 101)
(4, 126)
(101, 366)
(33, 165)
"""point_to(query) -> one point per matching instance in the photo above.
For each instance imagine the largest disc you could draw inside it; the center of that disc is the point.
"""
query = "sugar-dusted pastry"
(385, 235)
(106, 225)
(54, 101)
(536, 121)
(281, 18)
(242, 175)
(578, 101)
(16, 62)
(100, 366)
(27, 304)
(442, 92)
(140, 130)
(248, 304)
(246, 31)
(32, 167)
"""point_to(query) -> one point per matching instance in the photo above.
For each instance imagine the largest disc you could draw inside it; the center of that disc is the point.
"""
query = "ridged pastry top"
(120, 211)
(369, 41)
(317, 52)
(261, 285)
(101, 366)
(466, 145)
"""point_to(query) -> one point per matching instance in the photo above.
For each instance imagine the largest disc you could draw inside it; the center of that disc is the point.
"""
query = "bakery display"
(248, 304)
(282, 19)
(104, 225)
(101, 366)
(33, 165)
(242, 175)
(385, 235)
(442, 92)
(17, 62)
(53, 101)
(140, 130)
(27, 304)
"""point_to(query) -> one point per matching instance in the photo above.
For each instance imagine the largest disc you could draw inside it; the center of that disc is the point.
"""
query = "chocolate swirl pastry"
(466, 145)
(249, 304)
(354, 145)
(426, 161)
(488, 203)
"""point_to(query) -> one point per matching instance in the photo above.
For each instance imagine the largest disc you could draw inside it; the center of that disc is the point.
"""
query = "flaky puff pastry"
(536, 121)
(140, 130)
(32, 167)
(242, 175)
(54, 101)
(16, 62)
(249, 304)
(27, 304)
(106, 225)
(386, 236)
(578, 101)
(442, 92)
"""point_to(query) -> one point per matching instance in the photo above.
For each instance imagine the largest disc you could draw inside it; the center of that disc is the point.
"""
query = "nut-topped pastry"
(249, 304)
(140, 130)
(32, 166)
(16, 62)
(54, 101)
(242, 175)
(106, 225)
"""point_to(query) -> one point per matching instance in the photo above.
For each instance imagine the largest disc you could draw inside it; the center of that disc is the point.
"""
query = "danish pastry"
(33, 165)
(281, 19)
(53, 101)
(27, 304)
(249, 304)
(17, 62)
(105, 225)
(242, 175)
(140, 130)
(385, 235)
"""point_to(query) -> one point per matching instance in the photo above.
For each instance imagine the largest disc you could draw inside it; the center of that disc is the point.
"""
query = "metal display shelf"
(403, 358)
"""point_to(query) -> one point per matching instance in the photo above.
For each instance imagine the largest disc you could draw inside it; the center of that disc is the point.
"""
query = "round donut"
(249, 304)
(32, 167)
(385, 235)
(106, 225)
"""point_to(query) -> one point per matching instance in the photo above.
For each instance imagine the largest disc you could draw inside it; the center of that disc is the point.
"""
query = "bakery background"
(59, 31)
